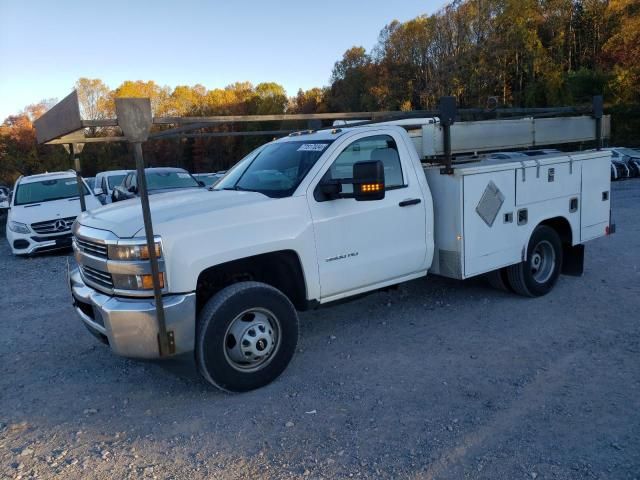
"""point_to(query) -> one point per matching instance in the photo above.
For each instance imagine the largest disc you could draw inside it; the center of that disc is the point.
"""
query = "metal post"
(74, 150)
(135, 119)
(448, 112)
(166, 344)
(597, 114)
(446, 138)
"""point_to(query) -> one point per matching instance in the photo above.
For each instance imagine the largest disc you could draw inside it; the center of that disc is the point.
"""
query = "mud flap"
(573, 260)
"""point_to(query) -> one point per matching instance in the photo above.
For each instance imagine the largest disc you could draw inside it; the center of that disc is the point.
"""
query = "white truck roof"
(47, 176)
(113, 172)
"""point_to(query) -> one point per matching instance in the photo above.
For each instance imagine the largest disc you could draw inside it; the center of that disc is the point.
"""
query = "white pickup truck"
(317, 217)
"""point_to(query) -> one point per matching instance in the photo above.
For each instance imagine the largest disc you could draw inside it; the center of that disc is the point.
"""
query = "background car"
(43, 208)
(106, 182)
(159, 180)
(621, 168)
(630, 157)
(625, 162)
(5, 196)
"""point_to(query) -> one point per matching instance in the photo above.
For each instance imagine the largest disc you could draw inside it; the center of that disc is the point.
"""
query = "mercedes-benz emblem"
(60, 225)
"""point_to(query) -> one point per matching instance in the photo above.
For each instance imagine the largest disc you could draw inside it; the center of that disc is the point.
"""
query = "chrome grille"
(96, 276)
(91, 248)
(58, 225)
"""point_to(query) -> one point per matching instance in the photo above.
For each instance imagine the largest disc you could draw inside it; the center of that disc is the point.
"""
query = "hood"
(124, 219)
(41, 212)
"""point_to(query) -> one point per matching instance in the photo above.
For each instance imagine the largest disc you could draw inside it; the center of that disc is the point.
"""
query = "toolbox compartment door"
(489, 222)
(595, 198)
(546, 181)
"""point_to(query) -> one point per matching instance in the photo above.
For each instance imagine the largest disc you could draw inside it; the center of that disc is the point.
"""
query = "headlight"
(135, 282)
(132, 252)
(18, 227)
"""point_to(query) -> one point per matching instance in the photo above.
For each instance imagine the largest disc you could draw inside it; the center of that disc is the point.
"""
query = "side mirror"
(201, 183)
(132, 189)
(98, 191)
(330, 190)
(368, 181)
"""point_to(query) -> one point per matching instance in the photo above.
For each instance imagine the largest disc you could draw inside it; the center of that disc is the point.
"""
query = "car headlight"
(136, 282)
(132, 252)
(18, 227)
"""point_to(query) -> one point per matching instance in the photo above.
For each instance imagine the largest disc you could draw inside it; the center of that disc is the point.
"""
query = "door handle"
(407, 203)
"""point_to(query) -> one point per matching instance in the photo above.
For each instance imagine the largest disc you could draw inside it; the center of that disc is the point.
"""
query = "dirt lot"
(437, 379)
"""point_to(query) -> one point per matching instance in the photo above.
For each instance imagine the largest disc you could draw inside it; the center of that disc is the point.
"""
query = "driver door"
(361, 244)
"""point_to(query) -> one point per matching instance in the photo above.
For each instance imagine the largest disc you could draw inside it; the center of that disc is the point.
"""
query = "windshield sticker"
(313, 147)
(184, 175)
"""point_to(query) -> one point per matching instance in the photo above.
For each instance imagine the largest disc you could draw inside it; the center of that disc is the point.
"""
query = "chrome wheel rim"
(252, 340)
(543, 261)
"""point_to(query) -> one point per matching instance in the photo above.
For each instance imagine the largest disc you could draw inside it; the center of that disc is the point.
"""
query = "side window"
(127, 181)
(132, 180)
(103, 185)
(380, 147)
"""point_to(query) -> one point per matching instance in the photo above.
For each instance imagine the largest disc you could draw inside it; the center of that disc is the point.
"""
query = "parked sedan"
(624, 162)
(630, 157)
(159, 180)
(105, 183)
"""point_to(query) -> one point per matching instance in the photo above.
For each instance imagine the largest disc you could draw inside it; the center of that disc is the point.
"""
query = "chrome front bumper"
(129, 324)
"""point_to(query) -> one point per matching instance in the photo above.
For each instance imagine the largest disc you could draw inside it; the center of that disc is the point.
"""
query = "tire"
(246, 336)
(539, 273)
(499, 280)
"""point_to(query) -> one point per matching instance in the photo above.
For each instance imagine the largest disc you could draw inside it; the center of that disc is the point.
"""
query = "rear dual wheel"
(538, 274)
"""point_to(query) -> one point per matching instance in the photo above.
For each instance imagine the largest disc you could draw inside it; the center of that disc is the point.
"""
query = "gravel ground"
(436, 379)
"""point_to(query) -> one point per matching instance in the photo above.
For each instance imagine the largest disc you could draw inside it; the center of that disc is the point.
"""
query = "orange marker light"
(147, 281)
(144, 252)
(370, 187)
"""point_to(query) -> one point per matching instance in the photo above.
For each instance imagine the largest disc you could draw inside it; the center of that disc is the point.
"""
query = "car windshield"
(276, 169)
(115, 180)
(160, 180)
(47, 190)
(629, 152)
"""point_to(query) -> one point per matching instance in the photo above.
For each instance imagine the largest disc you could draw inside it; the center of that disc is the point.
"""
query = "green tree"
(159, 95)
(95, 98)
(269, 98)
(350, 80)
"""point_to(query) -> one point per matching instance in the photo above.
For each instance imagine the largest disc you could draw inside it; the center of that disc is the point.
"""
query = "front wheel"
(247, 335)
(538, 274)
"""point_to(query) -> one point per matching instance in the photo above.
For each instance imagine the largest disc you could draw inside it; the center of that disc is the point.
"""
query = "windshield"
(47, 190)
(170, 179)
(628, 152)
(115, 180)
(275, 169)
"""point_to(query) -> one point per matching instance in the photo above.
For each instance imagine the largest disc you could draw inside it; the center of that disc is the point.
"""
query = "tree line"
(484, 52)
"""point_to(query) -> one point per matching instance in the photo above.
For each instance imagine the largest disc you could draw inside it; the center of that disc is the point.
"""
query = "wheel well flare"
(281, 270)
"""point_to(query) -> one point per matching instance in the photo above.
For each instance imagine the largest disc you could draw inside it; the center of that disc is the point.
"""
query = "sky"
(45, 45)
